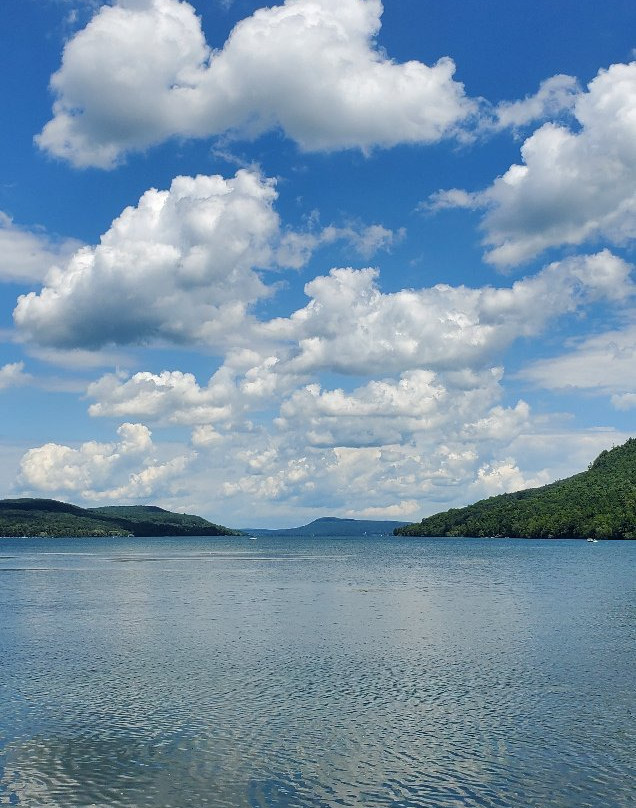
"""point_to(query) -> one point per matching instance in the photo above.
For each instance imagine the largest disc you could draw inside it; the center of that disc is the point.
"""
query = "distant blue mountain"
(332, 526)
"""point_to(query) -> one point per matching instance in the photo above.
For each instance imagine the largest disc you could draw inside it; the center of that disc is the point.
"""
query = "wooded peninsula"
(598, 503)
(50, 518)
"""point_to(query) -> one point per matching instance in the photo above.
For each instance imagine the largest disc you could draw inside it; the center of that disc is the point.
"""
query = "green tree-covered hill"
(598, 503)
(48, 517)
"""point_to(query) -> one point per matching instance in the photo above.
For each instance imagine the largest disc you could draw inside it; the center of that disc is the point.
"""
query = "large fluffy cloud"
(179, 266)
(126, 469)
(351, 327)
(167, 397)
(183, 266)
(428, 353)
(573, 184)
(394, 412)
(141, 72)
(248, 381)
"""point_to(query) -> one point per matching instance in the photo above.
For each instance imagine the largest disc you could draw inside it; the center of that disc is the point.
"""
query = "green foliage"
(598, 503)
(48, 517)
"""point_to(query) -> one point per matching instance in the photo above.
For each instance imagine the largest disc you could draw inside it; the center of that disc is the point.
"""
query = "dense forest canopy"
(597, 503)
(48, 517)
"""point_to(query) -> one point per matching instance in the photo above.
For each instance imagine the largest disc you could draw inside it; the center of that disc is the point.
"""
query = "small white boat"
(594, 541)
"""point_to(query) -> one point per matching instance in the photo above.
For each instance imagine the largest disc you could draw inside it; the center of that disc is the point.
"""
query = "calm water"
(178, 673)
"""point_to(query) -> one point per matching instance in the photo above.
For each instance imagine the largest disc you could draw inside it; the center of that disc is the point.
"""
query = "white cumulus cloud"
(351, 327)
(429, 355)
(126, 469)
(168, 397)
(389, 412)
(178, 266)
(574, 184)
(141, 71)
(183, 265)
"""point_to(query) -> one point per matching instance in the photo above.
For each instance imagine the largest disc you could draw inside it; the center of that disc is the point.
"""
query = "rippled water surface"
(178, 673)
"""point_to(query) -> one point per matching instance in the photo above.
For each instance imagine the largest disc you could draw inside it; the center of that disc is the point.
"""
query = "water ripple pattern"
(388, 673)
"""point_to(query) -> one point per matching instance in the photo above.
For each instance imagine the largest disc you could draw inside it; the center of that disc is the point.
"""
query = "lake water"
(185, 673)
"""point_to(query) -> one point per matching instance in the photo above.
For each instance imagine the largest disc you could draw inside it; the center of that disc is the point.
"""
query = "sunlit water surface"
(170, 673)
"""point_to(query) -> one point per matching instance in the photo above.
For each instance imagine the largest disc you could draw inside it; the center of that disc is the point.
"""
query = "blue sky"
(336, 257)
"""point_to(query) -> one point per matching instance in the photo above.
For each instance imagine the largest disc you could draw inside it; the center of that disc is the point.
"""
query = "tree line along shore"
(598, 503)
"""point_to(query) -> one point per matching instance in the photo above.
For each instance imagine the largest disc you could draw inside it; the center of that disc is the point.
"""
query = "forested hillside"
(597, 503)
(48, 517)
